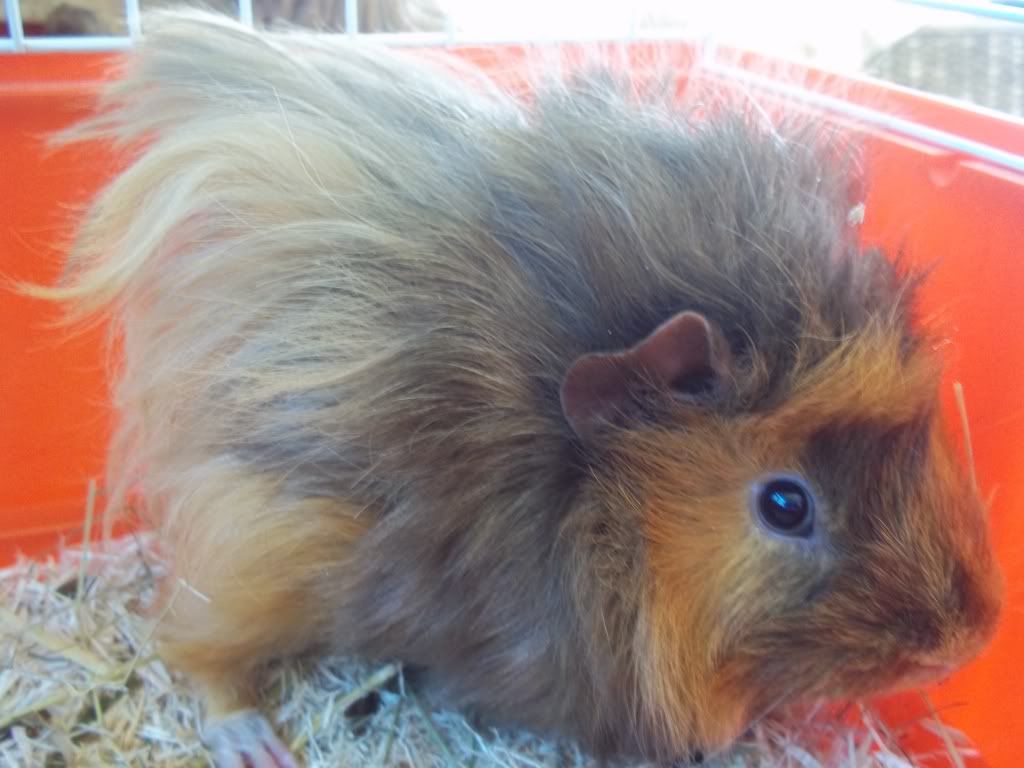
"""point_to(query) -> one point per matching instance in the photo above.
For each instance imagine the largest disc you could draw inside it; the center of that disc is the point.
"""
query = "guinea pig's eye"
(785, 505)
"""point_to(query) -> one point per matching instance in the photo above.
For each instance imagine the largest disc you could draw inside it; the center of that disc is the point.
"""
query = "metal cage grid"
(19, 42)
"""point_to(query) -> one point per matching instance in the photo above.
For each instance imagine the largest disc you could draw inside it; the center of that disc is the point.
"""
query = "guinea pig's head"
(809, 530)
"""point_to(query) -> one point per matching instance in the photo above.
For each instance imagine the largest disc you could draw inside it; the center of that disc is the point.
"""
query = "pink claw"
(246, 740)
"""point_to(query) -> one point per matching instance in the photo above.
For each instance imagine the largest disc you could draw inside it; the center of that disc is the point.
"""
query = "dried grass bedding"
(80, 686)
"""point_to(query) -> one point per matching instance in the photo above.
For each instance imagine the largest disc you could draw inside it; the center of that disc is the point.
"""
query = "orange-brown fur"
(708, 572)
(250, 570)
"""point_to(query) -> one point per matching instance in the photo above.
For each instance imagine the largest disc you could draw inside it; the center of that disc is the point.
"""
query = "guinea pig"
(591, 409)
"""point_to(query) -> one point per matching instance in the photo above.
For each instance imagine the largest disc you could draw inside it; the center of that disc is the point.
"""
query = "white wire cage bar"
(351, 16)
(245, 14)
(132, 18)
(12, 11)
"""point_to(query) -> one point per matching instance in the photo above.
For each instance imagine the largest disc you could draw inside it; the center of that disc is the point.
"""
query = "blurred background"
(967, 51)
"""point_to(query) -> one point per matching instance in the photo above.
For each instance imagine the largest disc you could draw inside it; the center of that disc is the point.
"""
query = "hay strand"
(56, 644)
(90, 510)
(965, 425)
(943, 732)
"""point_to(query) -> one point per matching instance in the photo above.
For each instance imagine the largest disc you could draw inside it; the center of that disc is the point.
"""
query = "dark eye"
(785, 506)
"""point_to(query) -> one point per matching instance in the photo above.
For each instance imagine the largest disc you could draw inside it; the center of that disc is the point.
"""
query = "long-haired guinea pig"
(591, 411)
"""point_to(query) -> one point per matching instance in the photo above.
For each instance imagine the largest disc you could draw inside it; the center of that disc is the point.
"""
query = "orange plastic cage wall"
(939, 200)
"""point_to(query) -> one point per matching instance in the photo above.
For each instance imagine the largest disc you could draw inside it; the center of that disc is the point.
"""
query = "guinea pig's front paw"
(246, 740)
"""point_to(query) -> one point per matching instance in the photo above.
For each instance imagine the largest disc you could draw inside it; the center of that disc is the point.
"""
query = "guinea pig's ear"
(678, 354)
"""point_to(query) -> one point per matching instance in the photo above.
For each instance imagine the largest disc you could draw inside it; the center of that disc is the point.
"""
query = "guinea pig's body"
(396, 385)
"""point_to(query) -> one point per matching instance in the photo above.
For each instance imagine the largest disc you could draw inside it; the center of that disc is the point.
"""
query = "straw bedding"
(80, 686)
